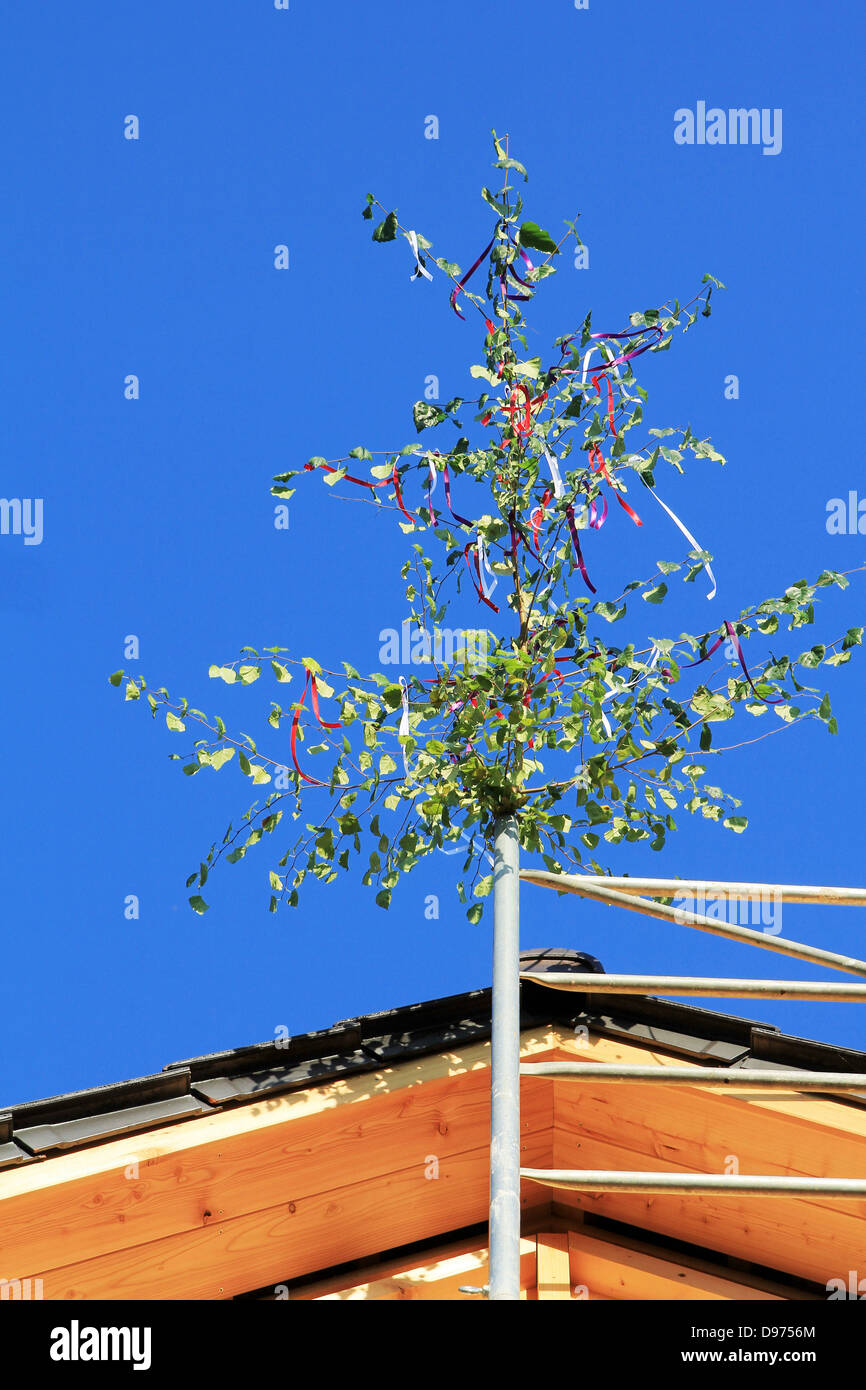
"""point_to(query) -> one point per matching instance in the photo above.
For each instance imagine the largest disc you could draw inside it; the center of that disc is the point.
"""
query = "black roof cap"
(199, 1085)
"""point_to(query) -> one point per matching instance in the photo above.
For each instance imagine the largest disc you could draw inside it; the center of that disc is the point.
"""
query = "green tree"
(585, 742)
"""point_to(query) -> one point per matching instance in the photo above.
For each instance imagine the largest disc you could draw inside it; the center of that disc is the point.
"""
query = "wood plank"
(791, 1235)
(572, 1218)
(554, 1277)
(705, 1130)
(815, 1112)
(439, 1279)
(295, 1238)
(250, 1158)
(625, 1274)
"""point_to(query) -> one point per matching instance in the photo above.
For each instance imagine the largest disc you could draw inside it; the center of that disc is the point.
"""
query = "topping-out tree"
(540, 720)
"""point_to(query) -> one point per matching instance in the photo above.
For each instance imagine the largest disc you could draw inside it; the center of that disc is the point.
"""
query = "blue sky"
(155, 257)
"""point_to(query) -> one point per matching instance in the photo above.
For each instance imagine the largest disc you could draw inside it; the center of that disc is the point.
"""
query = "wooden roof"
(374, 1184)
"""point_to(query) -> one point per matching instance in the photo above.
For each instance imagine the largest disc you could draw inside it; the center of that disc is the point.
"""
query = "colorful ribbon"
(314, 700)
(431, 488)
(569, 512)
(736, 641)
(688, 535)
(393, 481)
(461, 284)
(476, 578)
(420, 268)
(596, 459)
(558, 489)
(404, 730)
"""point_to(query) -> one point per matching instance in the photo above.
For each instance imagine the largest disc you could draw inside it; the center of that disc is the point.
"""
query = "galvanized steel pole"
(684, 985)
(505, 1068)
(687, 1184)
(731, 1078)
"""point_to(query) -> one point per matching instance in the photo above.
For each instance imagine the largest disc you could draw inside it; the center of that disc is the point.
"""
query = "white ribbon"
(689, 537)
(458, 846)
(419, 268)
(404, 720)
(484, 564)
(434, 479)
(558, 489)
(612, 362)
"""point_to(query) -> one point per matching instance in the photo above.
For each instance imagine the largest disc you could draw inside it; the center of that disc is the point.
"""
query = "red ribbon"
(524, 425)
(610, 420)
(393, 481)
(596, 459)
(396, 481)
(537, 517)
(456, 515)
(736, 641)
(701, 659)
(314, 698)
(569, 512)
(468, 276)
(477, 580)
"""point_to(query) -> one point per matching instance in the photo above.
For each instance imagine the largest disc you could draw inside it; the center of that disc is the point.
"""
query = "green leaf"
(474, 913)
(175, 724)
(198, 904)
(501, 208)
(426, 415)
(735, 823)
(116, 678)
(610, 611)
(387, 230)
(711, 706)
(507, 163)
(280, 671)
(536, 237)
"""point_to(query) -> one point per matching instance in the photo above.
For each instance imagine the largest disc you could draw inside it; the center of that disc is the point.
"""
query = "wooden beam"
(703, 1131)
(567, 1216)
(621, 1273)
(183, 1178)
(554, 1277)
(793, 1235)
(288, 1241)
(438, 1279)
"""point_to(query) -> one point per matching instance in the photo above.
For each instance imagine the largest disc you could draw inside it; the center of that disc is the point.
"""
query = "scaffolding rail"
(643, 895)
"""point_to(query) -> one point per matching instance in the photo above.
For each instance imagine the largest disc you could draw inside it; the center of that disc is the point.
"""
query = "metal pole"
(505, 1068)
(733, 1078)
(584, 888)
(707, 888)
(685, 1184)
(684, 985)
